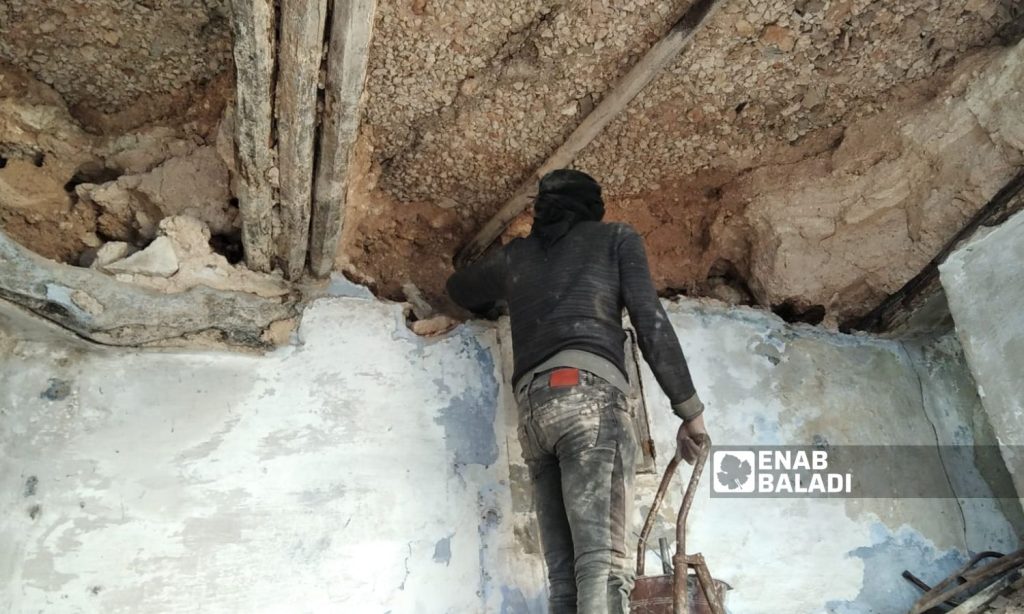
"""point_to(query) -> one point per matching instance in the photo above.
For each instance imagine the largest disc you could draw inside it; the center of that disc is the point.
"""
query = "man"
(565, 286)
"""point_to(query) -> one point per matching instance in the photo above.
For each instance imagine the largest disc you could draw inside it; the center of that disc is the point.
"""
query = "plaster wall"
(768, 383)
(984, 284)
(364, 469)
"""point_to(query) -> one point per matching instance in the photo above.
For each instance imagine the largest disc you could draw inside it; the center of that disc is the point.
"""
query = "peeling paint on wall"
(363, 467)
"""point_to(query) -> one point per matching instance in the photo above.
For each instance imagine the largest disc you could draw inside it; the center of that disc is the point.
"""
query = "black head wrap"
(565, 198)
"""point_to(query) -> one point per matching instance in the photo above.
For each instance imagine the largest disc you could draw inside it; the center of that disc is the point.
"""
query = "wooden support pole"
(254, 30)
(299, 55)
(347, 56)
(614, 102)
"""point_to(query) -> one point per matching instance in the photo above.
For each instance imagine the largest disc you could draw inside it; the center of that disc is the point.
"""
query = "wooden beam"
(898, 305)
(299, 55)
(615, 101)
(347, 56)
(976, 603)
(99, 308)
(254, 30)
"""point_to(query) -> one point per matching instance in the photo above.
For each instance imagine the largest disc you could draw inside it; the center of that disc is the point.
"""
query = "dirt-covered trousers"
(580, 447)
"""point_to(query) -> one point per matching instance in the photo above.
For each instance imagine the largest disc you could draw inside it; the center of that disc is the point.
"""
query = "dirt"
(120, 64)
(805, 156)
(746, 235)
(464, 103)
(48, 161)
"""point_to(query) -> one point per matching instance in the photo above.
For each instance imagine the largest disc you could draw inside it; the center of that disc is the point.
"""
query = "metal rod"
(641, 546)
(681, 595)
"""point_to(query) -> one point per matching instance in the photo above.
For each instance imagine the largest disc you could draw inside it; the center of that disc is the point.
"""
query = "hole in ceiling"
(724, 282)
(793, 313)
(91, 174)
(228, 245)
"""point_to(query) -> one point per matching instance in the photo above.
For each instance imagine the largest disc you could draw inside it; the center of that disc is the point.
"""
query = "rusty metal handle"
(691, 491)
(705, 446)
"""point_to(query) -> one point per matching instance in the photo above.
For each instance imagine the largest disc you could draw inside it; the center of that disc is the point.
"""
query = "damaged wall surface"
(357, 470)
(361, 467)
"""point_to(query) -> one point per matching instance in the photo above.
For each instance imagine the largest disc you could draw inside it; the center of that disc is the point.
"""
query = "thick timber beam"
(348, 52)
(100, 308)
(299, 55)
(254, 29)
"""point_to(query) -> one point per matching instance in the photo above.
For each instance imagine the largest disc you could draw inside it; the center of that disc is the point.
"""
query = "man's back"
(570, 296)
(566, 296)
(565, 286)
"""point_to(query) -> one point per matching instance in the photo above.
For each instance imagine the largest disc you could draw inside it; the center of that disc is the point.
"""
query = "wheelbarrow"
(676, 591)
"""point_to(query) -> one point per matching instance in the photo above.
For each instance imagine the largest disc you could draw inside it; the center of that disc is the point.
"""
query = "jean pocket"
(524, 443)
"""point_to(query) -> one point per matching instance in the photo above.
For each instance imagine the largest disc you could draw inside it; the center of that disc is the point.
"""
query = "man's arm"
(479, 286)
(655, 335)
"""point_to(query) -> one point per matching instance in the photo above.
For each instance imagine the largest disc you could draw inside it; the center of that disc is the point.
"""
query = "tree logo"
(733, 471)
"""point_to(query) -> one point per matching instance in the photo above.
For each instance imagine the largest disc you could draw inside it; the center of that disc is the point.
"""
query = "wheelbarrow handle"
(691, 490)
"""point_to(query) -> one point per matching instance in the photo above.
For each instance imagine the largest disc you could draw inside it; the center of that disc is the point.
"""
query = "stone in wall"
(846, 228)
(64, 191)
(41, 149)
(193, 184)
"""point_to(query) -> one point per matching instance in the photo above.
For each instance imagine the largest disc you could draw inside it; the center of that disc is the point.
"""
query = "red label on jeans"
(561, 378)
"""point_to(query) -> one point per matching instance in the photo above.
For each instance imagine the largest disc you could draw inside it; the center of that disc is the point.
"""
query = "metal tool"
(671, 592)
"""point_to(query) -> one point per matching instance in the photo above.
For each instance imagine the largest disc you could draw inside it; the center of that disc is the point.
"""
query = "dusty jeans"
(580, 447)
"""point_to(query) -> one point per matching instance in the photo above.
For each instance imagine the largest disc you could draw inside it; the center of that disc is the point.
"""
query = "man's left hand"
(687, 444)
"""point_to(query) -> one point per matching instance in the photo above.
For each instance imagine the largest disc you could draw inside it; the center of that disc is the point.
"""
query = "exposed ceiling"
(794, 155)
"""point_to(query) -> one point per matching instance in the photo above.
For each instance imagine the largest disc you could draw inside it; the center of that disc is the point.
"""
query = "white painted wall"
(364, 469)
(356, 471)
(765, 382)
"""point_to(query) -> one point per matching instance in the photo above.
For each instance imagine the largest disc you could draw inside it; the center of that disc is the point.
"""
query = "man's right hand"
(687, 439)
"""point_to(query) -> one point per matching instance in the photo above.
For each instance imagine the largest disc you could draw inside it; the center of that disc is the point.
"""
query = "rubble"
(111, 252)
(157, 260)
(185, 241)
(194, 184)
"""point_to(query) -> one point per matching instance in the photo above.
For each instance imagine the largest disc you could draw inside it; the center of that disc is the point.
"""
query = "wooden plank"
(643, 72)
(347, 56)
(896, 308)
(254, 30)
(299, 53)
(975, 604)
